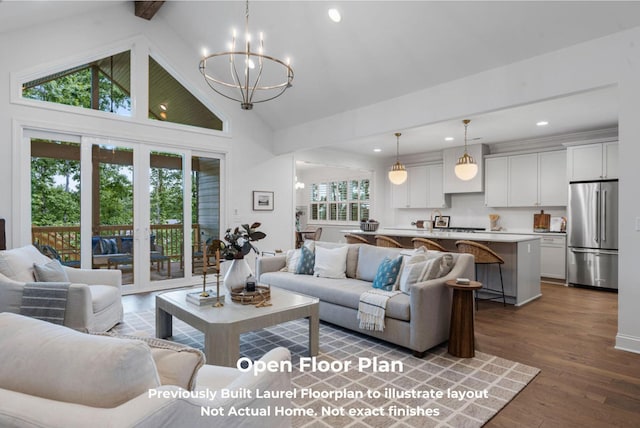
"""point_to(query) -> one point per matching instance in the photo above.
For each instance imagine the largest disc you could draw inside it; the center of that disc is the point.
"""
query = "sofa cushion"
(352, 255)
(177, 364)
(369, 258)
(330, 262)
(50, 272)
(306, 262)
(18, 263)
(55, 362)
(103, 296)
(344, 292)
(387, 274)
(424, 268)
(292, 257)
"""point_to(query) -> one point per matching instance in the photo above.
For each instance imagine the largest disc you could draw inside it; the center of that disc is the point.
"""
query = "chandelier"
(466, 167)
(244, 75)
(397, 173)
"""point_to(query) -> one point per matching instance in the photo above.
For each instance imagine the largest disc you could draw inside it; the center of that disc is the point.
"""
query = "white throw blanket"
(372, 307)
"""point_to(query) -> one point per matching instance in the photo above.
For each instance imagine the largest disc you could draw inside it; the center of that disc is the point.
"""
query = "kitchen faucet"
(431, 218)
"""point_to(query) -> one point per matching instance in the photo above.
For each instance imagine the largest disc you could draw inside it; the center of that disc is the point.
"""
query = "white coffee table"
(222, 326)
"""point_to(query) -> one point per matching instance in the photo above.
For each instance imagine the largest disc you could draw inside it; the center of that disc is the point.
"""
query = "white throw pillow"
(424, 268)
(18, 263)
(50, 272)
(291, 261)
(331, 262)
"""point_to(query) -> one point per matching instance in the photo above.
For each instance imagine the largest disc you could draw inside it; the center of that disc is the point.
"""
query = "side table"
(461, 334)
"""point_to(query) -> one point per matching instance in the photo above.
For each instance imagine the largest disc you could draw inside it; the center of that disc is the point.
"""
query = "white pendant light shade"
(466, 167)
(397, 173)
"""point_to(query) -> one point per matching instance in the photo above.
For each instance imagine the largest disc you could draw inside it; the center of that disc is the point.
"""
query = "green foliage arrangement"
(240, 241)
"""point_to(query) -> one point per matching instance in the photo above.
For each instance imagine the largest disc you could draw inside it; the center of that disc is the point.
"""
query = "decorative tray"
(240, 295)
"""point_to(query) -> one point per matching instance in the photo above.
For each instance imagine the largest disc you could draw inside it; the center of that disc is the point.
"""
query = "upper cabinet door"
(435, 194)
(496, 182)
(610, 160)
(400, 194)
(523, 180)
(417, 182)
(592, 161)
(552, 178)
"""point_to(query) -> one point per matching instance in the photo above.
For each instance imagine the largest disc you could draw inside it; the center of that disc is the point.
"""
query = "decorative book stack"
(197, 299)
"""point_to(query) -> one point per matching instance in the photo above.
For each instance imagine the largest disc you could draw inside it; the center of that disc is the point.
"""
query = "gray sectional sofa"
(418, 320)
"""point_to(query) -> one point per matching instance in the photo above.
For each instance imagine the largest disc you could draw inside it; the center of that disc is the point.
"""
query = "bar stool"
(385, 241)
(355, 239)
(431, 245)
(484, 256)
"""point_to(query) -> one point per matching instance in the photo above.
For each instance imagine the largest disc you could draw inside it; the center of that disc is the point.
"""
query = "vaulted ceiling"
(385, 49)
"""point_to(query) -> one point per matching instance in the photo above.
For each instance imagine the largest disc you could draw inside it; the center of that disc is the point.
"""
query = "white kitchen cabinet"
(528, 180)
(423, 188)
(496, 182)
(413, 192)
(523, 180)
(400, 194)
(552, 179)
(435, 193)
(592, 161)
(610, 161)
(553, 257)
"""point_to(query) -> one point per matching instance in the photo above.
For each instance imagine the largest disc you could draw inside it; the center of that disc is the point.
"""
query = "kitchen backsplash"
(468, 210)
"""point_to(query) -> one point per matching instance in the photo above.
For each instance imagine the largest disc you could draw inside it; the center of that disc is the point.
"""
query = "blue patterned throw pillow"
(387, 273)
(306, 262)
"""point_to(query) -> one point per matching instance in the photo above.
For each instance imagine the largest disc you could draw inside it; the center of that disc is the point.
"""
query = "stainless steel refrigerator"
(592, 229)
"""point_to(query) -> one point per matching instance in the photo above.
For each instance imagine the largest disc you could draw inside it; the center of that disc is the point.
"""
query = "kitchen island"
(521, 254)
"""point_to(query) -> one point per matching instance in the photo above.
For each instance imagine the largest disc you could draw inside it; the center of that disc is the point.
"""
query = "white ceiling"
(384, 49)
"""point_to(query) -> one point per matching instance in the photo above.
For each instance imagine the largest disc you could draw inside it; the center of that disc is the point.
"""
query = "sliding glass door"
(110, 204)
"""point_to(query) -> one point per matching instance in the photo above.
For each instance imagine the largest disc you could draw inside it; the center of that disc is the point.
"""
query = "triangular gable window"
(103, 85)
(169, 101)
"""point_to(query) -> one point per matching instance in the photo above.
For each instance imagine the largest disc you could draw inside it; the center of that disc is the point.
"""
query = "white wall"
(251, 164)
(611, 60)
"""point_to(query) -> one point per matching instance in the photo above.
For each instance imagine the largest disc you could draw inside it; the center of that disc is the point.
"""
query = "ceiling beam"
(147, 9)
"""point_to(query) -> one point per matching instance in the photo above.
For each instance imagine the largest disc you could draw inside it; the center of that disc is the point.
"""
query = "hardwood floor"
(569, 333)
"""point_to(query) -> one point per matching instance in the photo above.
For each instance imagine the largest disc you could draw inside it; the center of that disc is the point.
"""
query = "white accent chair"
(94, 299)
(60, 378)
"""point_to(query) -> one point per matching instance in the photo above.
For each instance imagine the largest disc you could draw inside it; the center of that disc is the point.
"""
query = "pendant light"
(466, 167)
(397, 173)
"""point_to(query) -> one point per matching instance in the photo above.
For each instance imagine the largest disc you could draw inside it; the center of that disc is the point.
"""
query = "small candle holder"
(204, 285)
(218, 303)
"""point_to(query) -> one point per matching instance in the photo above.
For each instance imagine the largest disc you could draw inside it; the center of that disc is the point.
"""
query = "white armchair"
(56, 377)
(94, 299)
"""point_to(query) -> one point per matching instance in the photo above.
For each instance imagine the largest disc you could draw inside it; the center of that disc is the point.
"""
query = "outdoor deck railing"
(66, 239)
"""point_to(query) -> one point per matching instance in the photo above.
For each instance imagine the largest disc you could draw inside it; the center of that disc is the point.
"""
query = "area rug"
(437, 390)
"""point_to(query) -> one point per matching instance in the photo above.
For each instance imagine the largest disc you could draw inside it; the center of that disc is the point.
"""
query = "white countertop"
(481, 236)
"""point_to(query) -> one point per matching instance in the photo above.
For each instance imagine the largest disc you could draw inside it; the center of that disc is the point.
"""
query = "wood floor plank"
(569, 333)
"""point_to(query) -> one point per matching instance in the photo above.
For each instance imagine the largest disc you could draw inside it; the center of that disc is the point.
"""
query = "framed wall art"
(441, 222)
(262, 201)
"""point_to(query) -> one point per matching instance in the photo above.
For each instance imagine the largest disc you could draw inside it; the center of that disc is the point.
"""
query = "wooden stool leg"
(504, 300)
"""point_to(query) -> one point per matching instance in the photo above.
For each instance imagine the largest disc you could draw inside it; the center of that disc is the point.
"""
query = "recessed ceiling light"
(542, 123)
(448, 139)
(334, 15)
(377, 150)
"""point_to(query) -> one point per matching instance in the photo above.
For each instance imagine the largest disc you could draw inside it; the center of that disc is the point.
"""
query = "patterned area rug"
(435, 391)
